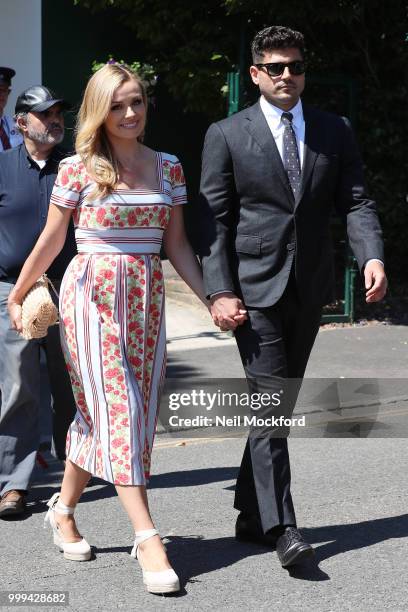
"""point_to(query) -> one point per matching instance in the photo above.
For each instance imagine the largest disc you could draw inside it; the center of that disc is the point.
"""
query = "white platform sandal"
(164, 581)
(74, 551)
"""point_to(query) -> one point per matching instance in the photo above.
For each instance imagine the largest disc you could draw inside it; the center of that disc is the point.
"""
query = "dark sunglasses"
(275, 69)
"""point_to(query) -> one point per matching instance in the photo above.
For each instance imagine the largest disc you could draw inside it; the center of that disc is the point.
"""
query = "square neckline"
(159, 177)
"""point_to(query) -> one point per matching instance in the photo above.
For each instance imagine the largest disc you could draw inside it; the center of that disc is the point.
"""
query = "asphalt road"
(350, 497)
(349, 492)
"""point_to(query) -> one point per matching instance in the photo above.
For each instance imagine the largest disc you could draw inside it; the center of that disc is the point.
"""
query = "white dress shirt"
(273, 116)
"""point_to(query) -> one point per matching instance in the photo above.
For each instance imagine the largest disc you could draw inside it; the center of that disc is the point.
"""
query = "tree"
(187, 43)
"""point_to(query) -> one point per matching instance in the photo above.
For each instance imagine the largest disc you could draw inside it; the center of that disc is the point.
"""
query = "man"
(27, 175)
(9, 135)
(271, 175)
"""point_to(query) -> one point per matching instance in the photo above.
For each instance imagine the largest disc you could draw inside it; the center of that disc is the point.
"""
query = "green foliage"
(188, 44)
(192, 45)
(145, 71)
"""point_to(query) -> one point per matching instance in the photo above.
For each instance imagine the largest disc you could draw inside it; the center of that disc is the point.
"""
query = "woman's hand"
(14, 310)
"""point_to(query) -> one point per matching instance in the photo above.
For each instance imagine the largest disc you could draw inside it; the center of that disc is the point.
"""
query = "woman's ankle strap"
(58, 506)
(142, 536)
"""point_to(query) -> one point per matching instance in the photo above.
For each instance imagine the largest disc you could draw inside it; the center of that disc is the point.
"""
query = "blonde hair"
(91, 142)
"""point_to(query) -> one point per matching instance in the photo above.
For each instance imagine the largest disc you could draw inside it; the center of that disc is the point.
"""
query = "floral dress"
(112, 318)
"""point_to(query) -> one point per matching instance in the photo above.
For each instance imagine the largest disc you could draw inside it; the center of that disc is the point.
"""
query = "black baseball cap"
(6, 74)
(38, 99)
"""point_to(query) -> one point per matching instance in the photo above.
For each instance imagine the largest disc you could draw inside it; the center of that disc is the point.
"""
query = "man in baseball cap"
(9, 135)
(27, 175)
(38, 99)
(39, 118)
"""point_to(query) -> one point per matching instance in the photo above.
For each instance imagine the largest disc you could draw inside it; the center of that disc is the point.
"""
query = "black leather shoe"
(292, 549)
(248, 528)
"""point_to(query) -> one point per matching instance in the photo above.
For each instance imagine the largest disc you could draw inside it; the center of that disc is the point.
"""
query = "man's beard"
(46, 137)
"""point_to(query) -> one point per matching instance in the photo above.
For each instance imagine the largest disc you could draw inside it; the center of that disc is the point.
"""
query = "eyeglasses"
(275, 69)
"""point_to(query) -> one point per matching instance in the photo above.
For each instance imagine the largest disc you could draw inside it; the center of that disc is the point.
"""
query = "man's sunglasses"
(275, 69)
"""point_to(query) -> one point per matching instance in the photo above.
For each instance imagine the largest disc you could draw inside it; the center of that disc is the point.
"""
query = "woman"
(125, 199)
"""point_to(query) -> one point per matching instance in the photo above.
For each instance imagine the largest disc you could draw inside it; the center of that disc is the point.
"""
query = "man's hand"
(375, 281)
(227, 311)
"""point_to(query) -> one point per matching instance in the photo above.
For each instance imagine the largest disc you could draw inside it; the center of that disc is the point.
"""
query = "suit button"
(290, 247)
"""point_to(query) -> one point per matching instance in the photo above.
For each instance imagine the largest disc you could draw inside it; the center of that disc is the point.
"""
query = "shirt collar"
(55, 156)
(273, 113)
(29, 160)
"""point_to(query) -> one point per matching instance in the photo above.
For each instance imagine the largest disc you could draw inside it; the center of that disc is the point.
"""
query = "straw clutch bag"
(38, 311)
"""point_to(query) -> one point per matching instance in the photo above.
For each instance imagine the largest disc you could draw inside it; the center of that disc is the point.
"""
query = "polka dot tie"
(290, 153)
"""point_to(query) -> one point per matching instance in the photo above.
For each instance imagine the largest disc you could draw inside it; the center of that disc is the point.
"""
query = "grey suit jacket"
(253, 227)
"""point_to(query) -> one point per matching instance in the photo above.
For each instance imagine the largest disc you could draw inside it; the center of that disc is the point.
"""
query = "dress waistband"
(138, 240)
(137, 249)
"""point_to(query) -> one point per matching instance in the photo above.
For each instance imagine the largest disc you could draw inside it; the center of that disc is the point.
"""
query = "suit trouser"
(20, 389)
(273, 342)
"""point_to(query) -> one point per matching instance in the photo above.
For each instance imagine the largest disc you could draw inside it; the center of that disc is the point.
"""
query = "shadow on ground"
(193, 555)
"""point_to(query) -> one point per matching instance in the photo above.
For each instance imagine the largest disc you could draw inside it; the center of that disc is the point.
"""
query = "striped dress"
(112, 318)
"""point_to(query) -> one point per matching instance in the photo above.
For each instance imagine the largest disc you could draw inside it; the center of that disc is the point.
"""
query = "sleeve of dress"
(178, 184)
(68, 184)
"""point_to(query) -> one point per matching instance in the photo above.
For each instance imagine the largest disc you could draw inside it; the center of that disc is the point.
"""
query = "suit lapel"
(311, 149)
(258, 128)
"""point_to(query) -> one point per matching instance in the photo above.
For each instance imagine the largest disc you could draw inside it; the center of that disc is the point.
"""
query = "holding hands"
(227, 311)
